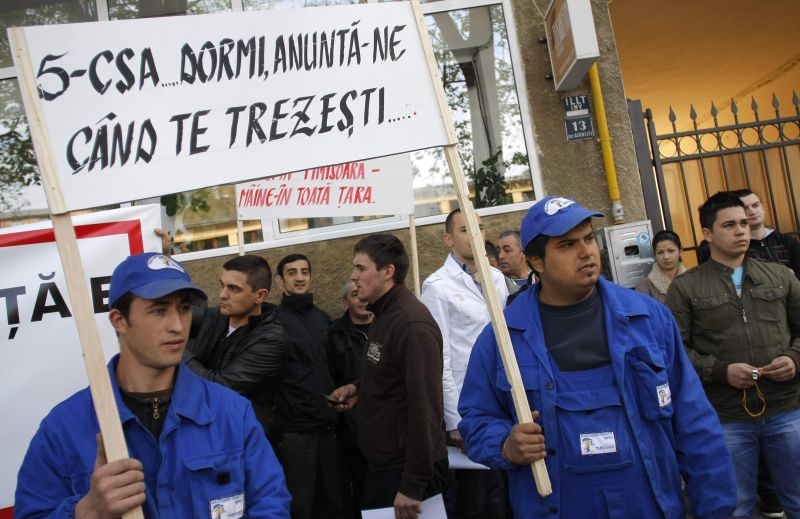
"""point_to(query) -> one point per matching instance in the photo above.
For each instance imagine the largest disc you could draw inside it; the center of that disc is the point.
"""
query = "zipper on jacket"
(745, 321)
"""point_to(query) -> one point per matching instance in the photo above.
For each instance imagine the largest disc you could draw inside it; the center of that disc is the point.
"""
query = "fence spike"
(672, 116)
(775, 103)
(714, 111)
(753, 104)
(734, 106)
(795, 99)
(692, 113)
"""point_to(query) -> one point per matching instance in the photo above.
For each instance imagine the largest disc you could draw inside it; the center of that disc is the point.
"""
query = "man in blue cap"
(620, 415)
(196, 447)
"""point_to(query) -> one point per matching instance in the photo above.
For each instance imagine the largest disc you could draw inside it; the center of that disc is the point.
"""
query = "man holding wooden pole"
(196, 447)
(620, 415)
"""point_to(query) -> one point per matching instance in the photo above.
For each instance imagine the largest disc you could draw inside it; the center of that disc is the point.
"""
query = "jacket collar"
(385, 300)
(344, 324)
(660, 280)
(268, 313)
(618, 308)
(521, 316)
(298, 302)
(750, 270)
(186, 401)
(456, 270)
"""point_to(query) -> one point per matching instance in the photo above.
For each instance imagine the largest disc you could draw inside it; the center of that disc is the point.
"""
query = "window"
(472, 51)
(16, 13)
(474, 56)
(128, 9)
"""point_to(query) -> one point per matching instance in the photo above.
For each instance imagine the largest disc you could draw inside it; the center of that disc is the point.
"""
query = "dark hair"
(536, 247)
(291, 258)
(123, 304)
(716, 203)
(385, 250)
(491, 250)
(255, 268)
(515, 234)
(666, 235)
(448, 222)
(741, 193)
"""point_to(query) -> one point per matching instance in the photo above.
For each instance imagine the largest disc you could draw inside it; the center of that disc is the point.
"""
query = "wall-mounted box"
(571, 40)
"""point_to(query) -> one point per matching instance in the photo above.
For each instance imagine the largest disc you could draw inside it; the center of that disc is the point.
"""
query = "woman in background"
(667, 249)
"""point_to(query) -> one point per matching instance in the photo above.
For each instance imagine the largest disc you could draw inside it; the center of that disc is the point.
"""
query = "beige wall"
(331, 260)
(574, 169)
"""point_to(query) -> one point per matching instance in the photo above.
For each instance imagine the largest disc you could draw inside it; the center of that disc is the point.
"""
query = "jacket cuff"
(795, 356)
(411, 487)
(451, 419)
(719, 372)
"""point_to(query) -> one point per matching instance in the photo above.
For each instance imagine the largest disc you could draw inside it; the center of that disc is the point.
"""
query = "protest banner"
(39, 361)
(96, 124)
(358, 188)
(138, 108)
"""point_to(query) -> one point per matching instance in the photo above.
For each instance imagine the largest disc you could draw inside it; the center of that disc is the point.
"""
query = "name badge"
(664, 395)
(231, 507)
(598, 443)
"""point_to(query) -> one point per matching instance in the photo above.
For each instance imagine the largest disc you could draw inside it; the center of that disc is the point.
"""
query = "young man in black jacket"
(308, 450)
(240, 343)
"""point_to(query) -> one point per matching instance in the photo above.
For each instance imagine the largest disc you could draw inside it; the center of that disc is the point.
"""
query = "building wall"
(574, 169)
(331, 260)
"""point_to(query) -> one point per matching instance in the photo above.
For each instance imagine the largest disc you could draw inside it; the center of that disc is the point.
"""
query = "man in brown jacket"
(740, 322)
(400, 417)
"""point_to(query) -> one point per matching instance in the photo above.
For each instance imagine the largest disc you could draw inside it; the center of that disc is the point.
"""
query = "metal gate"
(679, 170)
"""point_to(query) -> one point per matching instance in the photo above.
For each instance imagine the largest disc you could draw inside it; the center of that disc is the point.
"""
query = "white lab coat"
(461, 312)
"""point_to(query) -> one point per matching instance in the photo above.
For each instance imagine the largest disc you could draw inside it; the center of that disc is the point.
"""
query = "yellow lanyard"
(760, 397)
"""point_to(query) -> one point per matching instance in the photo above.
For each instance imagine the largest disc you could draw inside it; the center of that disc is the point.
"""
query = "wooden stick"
(412, 230)
(240, 235)
(105, 405)
(476, 241)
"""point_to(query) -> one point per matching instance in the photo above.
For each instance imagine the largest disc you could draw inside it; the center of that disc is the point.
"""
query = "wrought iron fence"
(761, 155)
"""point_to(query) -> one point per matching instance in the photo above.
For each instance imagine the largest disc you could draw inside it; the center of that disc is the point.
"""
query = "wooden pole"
(240, 235)
(105, 405)
(412, 230)
(476, 241)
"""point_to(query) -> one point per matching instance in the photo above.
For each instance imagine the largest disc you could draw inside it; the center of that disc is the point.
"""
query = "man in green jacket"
(740, 322)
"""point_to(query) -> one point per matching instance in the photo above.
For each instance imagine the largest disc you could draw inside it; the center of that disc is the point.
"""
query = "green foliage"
(491, 186)
(17, 168)
(194, 201)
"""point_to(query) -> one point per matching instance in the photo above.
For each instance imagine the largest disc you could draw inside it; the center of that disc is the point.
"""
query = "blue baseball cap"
(150, 275)
(552, 216)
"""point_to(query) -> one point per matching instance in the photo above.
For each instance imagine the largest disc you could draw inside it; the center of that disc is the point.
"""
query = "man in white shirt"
(455, 299)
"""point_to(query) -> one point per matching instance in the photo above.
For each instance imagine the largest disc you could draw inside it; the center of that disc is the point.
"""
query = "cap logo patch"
(554, 205)
(160, 262)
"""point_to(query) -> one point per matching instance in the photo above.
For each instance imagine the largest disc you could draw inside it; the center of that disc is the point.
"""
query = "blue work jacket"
(212, 456)
(681, 437)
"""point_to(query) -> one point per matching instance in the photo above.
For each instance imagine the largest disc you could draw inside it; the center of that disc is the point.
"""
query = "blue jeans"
(777, 439)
